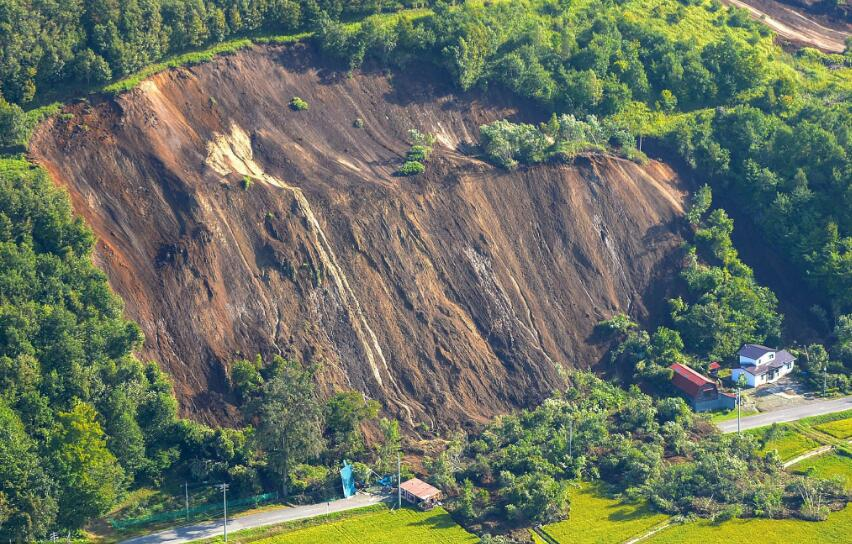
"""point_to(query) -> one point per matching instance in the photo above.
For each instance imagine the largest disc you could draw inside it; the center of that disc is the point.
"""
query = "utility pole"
(738, 409)
(186, 498)
(824, 377)
(225, 506)
(398, 481)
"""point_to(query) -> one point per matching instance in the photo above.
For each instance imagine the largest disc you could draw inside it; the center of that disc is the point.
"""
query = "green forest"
(84, 421)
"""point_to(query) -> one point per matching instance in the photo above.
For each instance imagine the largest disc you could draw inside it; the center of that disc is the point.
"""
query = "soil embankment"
(231, 225)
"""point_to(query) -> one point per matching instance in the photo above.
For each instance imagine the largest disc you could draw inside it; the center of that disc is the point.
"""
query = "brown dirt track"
(450, 297)
(797, 26)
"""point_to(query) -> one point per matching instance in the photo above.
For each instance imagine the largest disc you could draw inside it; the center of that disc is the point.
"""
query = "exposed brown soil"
(450, 297)
(799, 25)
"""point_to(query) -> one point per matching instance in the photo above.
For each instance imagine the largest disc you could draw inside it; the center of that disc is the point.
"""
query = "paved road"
(272, 517)
(813, 408)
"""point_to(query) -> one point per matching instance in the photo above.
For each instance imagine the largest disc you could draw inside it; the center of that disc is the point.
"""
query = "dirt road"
(795, 26)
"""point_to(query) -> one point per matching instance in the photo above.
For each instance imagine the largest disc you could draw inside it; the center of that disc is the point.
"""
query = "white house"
(761, 365)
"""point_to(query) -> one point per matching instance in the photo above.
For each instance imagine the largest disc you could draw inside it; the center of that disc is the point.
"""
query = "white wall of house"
(757, 381)
(750, 378)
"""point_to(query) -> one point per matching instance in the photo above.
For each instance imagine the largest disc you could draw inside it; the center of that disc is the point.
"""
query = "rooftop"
(781, 358)
(754, 351)
(419, 488)
(688, 380)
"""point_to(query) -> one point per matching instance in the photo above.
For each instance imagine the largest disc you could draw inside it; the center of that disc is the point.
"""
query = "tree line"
(44, 45)
(82, 420)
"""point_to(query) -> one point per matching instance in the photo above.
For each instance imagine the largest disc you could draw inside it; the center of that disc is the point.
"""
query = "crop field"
(382, 527)
(789, 443)
(828, 465)
(766, 531)
(596, 518)
(838, 429)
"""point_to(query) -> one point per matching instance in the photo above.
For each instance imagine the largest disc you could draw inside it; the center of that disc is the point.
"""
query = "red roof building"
(701, 390)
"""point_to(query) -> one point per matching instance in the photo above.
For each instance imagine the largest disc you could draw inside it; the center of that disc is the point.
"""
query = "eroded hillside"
(450, 296)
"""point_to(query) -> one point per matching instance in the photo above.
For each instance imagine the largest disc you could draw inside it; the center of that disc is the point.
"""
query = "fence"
(193, 512)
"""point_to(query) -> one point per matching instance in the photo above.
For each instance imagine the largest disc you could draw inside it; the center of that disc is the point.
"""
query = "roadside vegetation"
(376, 525)
(790, 440)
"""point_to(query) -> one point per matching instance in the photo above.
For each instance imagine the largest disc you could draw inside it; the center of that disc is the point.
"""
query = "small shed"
(418, 492)
(714, 368)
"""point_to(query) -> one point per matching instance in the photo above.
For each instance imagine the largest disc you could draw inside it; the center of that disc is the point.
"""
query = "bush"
(411, 168)
(418, 153)
(298, 104)
(358, 123)
(245, 183)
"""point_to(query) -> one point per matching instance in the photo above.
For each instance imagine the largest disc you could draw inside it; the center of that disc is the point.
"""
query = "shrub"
(418, 153)
(358, 123)
(298, 104)
(245, 183)
(411, 168)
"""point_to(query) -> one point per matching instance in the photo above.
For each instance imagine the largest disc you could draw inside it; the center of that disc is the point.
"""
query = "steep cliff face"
(450, 297)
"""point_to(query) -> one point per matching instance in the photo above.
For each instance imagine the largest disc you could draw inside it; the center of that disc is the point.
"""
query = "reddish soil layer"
(450, 297)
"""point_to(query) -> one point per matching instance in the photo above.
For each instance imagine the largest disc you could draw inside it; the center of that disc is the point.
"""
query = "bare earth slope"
(450, 297)
(797, 25)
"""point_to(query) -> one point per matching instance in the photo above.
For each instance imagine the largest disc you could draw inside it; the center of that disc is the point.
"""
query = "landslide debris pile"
(232, 224)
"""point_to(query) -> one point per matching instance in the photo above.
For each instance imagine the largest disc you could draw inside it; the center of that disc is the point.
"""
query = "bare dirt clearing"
(797, 27)
(451, 296)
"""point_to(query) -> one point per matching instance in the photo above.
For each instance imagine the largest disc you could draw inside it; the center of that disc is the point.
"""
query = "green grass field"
(838, 429)
(596, 518)
(718, 417)
(381, 527)
(789, 443)
(837, 528)
(828, 465)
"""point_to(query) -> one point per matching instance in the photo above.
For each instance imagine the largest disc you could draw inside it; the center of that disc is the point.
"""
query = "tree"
(12, 123)
(843, 346)
(89, 476)
(288, 416)
(344, 414)
(389, 447)
(536, 497)
(700, 204)
(27, 496)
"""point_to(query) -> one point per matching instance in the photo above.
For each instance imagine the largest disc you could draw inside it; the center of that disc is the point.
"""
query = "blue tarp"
(347, 477)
